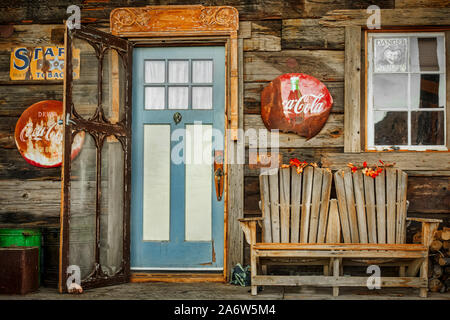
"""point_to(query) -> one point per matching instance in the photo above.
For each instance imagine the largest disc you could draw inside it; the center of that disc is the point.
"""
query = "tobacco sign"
(41, 63)
(296, 102)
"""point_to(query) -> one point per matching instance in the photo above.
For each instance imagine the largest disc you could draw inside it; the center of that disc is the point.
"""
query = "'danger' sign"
(39, 134)
(296, 102)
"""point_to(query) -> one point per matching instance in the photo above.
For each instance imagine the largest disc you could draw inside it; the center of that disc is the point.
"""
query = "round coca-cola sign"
(39, 134)
(296, 102)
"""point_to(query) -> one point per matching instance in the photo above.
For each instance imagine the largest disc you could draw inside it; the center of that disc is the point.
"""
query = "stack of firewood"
(439, 260)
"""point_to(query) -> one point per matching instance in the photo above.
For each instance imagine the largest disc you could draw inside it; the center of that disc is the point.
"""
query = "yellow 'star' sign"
(41, 63)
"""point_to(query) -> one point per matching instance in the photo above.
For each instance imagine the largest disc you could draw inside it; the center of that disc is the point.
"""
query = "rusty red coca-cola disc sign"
(296, 102)
(39, 134)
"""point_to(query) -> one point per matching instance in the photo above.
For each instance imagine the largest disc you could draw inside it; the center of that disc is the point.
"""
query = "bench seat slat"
(339, 246)
(314, 253)
(328, 281)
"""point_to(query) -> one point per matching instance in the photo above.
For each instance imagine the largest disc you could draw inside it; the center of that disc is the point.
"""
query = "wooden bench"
(301, 225)
(373, 211)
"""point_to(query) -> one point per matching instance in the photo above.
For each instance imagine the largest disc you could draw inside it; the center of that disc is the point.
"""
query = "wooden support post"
(352, 122)
(326, 270)
(402, 271)
(264, 269)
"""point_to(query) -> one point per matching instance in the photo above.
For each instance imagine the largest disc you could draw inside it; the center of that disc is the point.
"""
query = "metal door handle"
(218, 173)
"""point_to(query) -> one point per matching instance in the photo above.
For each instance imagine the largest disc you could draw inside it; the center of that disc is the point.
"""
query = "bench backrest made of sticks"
(296, 207)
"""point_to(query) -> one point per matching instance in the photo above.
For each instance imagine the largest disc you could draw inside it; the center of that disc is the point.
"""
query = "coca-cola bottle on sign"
(294, 96)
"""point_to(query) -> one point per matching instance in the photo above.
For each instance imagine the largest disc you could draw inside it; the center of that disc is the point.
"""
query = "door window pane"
(178, 97)
(155, 71)
(198, 182)
(156, 184)
(391, 128)
(390, 91)
(178, 71)
(155, 98)
(202, 71)
(427, 127)
(201, 97)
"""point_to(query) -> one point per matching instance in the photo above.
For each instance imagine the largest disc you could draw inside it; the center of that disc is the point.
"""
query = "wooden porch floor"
(222, 291)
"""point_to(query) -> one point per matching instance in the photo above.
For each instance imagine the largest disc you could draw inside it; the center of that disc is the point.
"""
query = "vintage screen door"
(96, 172)
(177, 220)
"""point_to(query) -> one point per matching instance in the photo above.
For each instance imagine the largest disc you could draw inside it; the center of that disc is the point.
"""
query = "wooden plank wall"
(278, 36)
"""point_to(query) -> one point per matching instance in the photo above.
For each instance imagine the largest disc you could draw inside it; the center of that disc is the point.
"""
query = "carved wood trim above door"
(187, 21)
(163, 20)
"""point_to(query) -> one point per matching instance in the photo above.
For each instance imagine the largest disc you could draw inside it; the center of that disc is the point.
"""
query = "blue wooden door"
(178, 122)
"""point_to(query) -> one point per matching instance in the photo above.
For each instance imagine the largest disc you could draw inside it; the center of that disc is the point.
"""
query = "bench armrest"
(248, 225)
(429, 227)
(250, 219)
(424, 220)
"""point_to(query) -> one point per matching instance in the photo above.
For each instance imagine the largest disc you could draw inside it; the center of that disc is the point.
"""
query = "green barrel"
(22, 238)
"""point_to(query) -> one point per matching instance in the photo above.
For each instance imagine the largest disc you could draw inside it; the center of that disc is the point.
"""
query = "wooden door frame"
(197, 25)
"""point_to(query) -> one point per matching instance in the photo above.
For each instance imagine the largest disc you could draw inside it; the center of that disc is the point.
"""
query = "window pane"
(427, 91)
(154, 98)
(427, 54)
(155, 71)
(391, 128)
(202, 71)
(178, 97)
(427, 127)
(390, 90)
(201, 97)
(178, 71)
(391, 54)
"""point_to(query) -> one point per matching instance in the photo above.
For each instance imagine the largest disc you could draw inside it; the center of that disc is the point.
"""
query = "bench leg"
(336, 270)
(424, 275)
(253, 268)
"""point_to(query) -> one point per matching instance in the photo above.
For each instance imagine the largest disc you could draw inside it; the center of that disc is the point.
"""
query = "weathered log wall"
(279, 36)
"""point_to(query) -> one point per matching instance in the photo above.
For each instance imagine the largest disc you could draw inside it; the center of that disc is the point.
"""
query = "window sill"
(409, 149)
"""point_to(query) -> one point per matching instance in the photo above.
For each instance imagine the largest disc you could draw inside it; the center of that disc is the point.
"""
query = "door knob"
(177, 117)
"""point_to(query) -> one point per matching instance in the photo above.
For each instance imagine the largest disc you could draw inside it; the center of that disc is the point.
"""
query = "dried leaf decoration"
(370, 171)
(295, 162)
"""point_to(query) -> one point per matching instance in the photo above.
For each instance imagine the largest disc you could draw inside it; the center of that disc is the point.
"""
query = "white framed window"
(406, 91)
